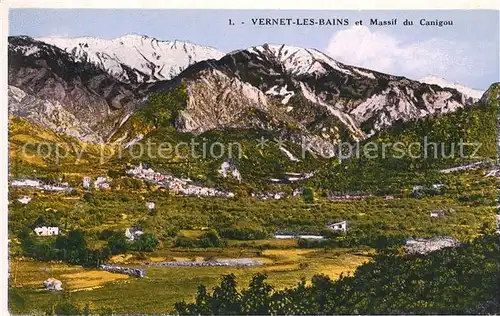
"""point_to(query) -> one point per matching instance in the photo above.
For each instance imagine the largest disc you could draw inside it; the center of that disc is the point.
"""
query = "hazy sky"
(466, 53)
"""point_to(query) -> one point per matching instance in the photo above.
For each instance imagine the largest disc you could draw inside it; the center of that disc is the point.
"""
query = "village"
(177, 185)
(40, 185)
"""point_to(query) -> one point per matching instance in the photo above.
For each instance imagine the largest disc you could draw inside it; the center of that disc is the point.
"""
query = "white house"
(133, 233)
(52, 284)
(86, 182)
(26, 183)
(317, 237)
(150, 205)
(340, 226)
(46, 231)
(437, 213)
(101, 183)
(227, 169)
(277, 236)
(24, 200)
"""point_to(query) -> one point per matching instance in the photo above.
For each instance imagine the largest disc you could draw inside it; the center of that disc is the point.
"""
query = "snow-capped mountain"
(476, 94)
(136, 58)
(329, 99)
(302, 92)
(54, 89)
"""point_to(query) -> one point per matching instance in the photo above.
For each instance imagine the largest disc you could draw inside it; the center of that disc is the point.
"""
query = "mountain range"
(89, 88)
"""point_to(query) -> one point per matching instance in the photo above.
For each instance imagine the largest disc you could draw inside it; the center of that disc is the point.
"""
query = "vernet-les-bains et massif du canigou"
(165, 176)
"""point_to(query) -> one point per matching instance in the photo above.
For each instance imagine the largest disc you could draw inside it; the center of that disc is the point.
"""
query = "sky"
(465, 53)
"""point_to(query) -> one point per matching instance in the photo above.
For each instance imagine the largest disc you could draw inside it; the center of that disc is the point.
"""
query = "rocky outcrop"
(55, 89)
(424, 246)
(89, 87)
(304, 87)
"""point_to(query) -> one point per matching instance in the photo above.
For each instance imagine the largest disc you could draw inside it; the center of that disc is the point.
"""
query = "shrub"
(184, 242)
(145, 242)
(117, 243)
(210, 239)
(244, 233)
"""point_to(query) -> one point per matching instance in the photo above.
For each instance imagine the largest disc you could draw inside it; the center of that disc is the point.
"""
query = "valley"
(289, 204)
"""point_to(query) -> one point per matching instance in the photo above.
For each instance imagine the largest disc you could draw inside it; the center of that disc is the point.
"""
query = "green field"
(164, 286)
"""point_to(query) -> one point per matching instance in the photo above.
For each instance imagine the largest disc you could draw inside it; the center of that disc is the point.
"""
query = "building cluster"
(347, 196)
(102, 183)
(268, 195)
(177, 185)
(291, 177)
(46, 231)
(133, 233)
(135, 272)
(40, 185)
(335, 226)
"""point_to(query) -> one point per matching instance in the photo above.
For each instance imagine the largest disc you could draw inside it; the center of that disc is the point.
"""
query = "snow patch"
(364, 73)
(151, 59)
(475, 94)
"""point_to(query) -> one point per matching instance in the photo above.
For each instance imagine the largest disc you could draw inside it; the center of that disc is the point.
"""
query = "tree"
(461, 280)
(308, 195)
(117, 243)
(146, 242)
(163, 108)
(210, 239)
(65, 307)
(225, 298)
(257, 298)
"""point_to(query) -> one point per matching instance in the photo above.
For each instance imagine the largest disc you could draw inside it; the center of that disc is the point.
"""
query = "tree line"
(461, 280)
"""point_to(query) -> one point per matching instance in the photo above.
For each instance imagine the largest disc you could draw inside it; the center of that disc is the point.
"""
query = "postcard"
(257, 161)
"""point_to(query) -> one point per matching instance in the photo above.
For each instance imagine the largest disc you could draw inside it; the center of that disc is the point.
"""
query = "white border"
(4, 162)
(174, 4)
(263, 4)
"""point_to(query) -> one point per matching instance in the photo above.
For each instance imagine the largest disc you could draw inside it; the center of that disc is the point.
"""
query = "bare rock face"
(49, 114)
(327, 99)
(227, 108)
(424, 246)
(89, 87)
(58, 87)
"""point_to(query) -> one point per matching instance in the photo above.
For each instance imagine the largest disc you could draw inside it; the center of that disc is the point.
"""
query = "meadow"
(162, 287)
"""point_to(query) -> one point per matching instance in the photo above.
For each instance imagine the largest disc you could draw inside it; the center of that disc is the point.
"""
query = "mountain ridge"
(135, 58)
(325, 99)
(476, 94)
